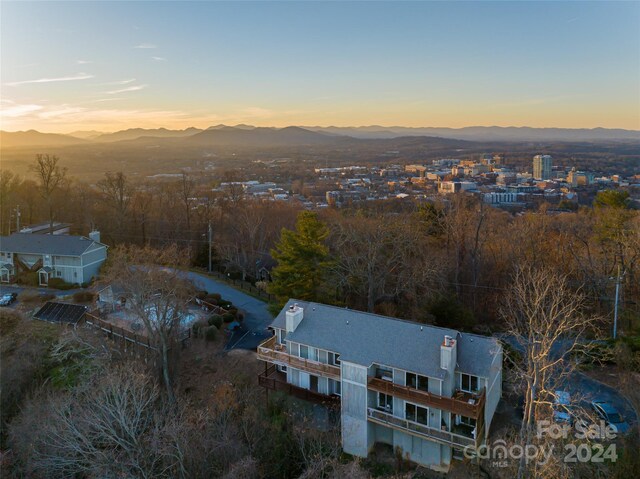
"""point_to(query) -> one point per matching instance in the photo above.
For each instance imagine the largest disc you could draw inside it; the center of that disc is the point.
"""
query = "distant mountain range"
(35, 138)
(484, 133)
(247, 135)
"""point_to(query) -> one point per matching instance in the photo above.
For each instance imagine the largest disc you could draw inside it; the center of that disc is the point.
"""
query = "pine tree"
(303, 260)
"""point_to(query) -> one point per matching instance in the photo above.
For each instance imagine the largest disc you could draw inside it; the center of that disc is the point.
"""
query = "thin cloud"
(79, 76)
(159, 59)
(83, 62)
(145, 46)
(100, 100)
(120, 82)
(124, 90)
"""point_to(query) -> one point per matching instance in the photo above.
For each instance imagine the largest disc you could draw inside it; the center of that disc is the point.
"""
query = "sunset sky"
(114, 65)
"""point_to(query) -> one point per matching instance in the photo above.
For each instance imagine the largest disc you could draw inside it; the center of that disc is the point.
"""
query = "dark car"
(611, 415)
(7, 299)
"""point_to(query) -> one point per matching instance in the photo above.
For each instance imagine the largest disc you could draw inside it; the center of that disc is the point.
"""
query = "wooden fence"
(128, 337)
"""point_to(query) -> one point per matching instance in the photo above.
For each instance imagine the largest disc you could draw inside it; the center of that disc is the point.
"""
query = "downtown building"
(542, 167)
(430, 392)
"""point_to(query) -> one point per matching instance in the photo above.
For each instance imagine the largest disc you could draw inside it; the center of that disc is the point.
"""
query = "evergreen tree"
(303, 261)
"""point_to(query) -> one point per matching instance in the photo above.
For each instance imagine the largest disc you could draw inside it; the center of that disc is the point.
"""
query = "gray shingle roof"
(60, 245)
(365, 338)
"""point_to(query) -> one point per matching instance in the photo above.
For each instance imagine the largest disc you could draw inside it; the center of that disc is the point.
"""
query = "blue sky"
(113, 65)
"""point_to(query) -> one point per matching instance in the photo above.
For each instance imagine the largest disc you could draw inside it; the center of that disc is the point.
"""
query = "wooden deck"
(465, 404)
(420, 430)
(269, 351)
(274, 380)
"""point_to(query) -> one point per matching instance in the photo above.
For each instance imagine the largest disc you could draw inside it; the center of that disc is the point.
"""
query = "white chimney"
(95, 235)
(294, 316)
(448, 354)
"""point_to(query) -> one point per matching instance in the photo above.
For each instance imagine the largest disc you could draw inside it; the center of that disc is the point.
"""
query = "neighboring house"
(46, 228)
(74, 259)
(432, 392)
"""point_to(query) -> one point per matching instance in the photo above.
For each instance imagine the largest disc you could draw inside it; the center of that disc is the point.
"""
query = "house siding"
(355, 437)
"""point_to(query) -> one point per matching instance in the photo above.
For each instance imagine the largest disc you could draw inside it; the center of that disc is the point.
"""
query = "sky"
(113, 65)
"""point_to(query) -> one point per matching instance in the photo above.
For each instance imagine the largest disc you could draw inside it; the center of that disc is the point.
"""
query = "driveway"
(583, 388)
(256, 319)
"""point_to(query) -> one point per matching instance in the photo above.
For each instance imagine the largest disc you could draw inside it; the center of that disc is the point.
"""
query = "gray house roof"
(365, 338)
(59, 245)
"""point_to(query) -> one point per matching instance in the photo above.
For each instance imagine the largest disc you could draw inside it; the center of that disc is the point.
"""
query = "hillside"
(135, 133)
(13, 139)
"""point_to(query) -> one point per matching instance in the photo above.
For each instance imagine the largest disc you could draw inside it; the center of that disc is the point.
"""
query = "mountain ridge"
(256, 136)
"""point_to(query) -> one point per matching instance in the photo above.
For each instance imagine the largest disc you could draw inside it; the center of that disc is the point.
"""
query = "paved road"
(13, 288)
(256, 319)
(584, 388)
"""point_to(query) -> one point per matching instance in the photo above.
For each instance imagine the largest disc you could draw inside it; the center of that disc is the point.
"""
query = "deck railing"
(472, 406)
(271, 379)
(445, 437)
(269, 351)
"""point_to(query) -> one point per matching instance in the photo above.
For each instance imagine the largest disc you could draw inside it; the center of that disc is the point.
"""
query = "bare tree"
(157, 293)
(117, 192)
(9, 182)
(187, 187)
(546, 319)
(51, 177)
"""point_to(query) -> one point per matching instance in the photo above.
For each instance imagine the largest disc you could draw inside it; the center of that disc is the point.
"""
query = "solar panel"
(60, 312)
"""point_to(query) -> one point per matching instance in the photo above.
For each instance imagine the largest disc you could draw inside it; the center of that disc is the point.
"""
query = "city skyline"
(111, 66)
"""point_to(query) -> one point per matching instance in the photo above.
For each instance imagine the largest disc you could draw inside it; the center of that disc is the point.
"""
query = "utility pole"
(210, 234)
(18, 219)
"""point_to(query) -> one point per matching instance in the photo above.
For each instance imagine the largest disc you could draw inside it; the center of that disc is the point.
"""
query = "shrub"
(216, 296)
(210, 333)
(9, 319)
(215, 320)
(239, 316)
(225, 304)
(83, 296)
(210, 299)
(29, 278)
(198, 326)
(59, 283)
(233, 311)
(201, 295)
(34, 297)
(228, 317)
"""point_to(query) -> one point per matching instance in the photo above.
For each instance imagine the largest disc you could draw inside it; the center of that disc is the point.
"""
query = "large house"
(429, 391)
(74, 259)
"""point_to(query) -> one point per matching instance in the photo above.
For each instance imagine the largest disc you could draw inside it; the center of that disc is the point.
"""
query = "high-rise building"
(542, 167)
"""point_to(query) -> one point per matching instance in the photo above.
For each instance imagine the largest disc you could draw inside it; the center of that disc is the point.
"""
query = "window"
(382, 373)
(59, 274)
(334, 387)
(469, 421)
(385, 402)
(334, 358)
(304, 351)
(417, 382)
(416, 413)
(469, 383)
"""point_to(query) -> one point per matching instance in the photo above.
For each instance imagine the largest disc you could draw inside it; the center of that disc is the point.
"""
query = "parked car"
(562, 407)
(611, 415)
(7, 299)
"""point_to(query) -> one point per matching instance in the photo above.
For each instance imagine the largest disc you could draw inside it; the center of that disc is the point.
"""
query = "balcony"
(447, 438)
(462, 404)
(274, 380)
(271, 352)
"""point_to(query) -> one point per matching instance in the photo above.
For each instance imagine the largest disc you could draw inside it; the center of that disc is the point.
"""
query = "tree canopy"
(304, 263)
